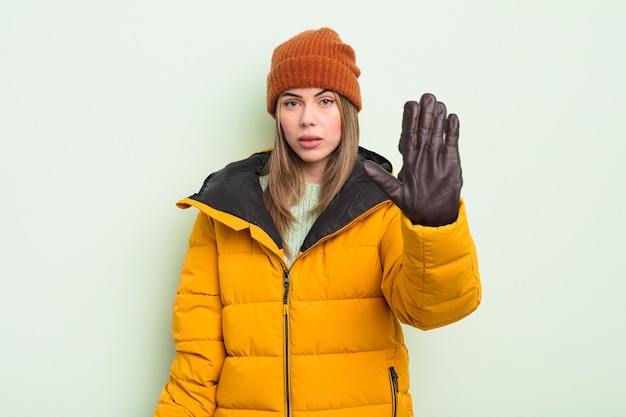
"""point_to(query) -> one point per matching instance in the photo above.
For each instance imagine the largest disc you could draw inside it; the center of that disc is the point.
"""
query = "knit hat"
(314, 58)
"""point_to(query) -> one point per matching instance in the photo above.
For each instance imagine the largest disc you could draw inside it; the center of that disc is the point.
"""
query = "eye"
(290, 104)
(327, 101)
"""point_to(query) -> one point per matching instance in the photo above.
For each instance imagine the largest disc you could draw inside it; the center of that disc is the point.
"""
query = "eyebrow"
(297, 96)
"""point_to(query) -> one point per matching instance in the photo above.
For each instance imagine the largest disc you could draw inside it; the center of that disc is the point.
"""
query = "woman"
(304, 259)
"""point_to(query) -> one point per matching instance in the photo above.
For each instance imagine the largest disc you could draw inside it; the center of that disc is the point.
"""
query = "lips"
(309, 141)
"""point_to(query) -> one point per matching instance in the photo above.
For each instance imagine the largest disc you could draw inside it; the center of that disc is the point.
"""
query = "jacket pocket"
(393, 382)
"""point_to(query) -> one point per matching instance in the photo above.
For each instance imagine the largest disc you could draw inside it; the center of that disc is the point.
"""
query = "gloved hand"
(428, 186)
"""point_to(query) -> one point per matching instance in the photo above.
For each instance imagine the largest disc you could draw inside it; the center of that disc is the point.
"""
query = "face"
(311, 123)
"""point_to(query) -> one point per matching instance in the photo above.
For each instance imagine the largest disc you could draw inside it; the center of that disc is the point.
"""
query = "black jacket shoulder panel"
(235, 189)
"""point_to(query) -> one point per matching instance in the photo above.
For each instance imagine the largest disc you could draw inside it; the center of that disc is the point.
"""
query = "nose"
(308, 116)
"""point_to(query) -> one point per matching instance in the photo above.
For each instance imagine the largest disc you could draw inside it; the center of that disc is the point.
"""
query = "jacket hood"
(236, 190)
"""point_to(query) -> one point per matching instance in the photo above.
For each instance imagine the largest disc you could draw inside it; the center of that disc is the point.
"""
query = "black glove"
(428, 186)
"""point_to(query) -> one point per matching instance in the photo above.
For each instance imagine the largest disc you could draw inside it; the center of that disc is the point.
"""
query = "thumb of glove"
(385, 181)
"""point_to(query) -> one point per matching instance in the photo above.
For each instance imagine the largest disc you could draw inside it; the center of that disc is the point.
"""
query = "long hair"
(286, 179)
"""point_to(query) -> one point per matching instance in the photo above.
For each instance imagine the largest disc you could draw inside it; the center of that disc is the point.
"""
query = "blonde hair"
(286, 179)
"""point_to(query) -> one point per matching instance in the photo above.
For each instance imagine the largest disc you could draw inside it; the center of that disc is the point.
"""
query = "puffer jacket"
(323, 338)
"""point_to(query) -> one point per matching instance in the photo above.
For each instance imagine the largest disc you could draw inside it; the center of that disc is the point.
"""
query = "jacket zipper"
(286, 340)
(393, 378)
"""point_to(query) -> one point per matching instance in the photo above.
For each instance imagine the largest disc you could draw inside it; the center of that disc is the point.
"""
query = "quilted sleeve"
(430, 274)
(197, 331)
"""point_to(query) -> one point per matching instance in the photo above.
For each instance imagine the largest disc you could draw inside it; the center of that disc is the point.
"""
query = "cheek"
(287, 124)
(336, 125)
(285, 130)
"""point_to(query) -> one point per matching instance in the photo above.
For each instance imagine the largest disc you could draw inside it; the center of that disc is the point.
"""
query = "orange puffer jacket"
(323, 338)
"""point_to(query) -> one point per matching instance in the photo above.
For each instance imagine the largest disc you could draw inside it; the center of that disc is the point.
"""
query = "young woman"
(304, 259)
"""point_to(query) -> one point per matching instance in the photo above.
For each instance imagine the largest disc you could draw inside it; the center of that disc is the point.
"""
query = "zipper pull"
(394, 378)
(285, 286)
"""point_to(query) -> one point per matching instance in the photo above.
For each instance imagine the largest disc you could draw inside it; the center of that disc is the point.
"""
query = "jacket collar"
(235, 190)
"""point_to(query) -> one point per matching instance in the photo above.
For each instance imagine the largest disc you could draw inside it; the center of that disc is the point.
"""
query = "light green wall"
(110, 111)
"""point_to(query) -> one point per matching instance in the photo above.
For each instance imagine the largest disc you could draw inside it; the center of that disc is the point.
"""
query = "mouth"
(309, 141)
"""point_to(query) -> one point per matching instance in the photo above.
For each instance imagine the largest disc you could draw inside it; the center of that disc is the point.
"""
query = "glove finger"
(436, 144)
(452, 134)
(408, 140)
(425, 120)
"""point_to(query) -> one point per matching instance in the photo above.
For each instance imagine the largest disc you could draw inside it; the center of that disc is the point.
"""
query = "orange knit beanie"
(314, 58)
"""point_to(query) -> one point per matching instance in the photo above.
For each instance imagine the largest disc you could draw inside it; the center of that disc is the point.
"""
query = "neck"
(313, 174)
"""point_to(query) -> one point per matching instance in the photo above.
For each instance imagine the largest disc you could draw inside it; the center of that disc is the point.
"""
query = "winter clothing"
(314, 58)
(322, 338)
